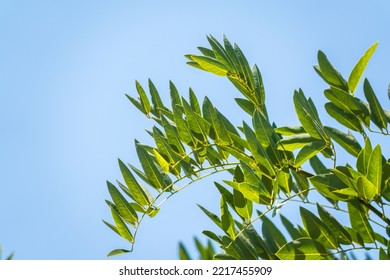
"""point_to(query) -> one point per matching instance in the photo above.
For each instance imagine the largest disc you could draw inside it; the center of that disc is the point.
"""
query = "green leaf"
(346, 119)
(294, 142)
(227, 219)
(194, 102)
(143, 97)
(290, 130)
(346, 141)
(183, 253)
(118, 252)
(273, 237)
(255, 193)
(259, 88)
(156, 100)
(246, 105)
(112, 227)
(359, 221)
(211, 65)
(329, 185)
(182, 127)
(329, 73)
(294, 233)
(175, 97)
(317, 165)
(358, 70)
(212, 216)
(136, 103)
(364, 156)
(378, 116)
(306, 116)
(138, 193)
(309, 151)
(284, 180)
(124, 208)
(374, 169)
(258, 243)
(336, 228)
(350, 104)
(161, 161)
(302, 183)
(303, 249)
(155, 177)
(242, 205)
(318, 230)
(121, 226)
(258, 152)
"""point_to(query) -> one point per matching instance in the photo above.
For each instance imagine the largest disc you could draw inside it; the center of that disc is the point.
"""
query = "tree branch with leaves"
(267, 166)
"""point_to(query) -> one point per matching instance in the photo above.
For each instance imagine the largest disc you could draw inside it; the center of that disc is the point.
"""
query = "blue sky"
(66, 65)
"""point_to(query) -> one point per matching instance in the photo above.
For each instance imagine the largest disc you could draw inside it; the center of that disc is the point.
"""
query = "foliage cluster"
(268, 165)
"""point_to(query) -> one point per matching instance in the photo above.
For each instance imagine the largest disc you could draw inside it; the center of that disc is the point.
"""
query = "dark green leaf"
(329, 185)
(378, 116)
(364, 156)
(346, 119)
(175, 97)
(227, 219)
(294, 233)
(156, 99)
(347, 141)
(329, 73)
(212, 216)
(246, 105)
(317, 165)
(258, 243)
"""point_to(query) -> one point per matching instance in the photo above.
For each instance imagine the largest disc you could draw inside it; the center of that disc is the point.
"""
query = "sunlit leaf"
(123, 206)
(358, 70)
(303, 249)
(143, 97)
(211, 65)
(121, 226)
(309, 151)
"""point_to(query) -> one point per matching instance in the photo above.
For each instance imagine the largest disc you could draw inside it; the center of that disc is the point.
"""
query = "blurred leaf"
(272, 235)
(294, 233)
(303, 248)
(258, 243)
(358, 70)
(378, 116)
(227, 219)
(212, 216)
(183, 253)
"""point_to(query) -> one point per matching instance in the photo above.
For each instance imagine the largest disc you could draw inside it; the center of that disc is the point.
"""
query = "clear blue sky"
(66, 65)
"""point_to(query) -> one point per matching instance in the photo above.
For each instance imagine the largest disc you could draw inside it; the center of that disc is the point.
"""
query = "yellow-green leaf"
(358, 70)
